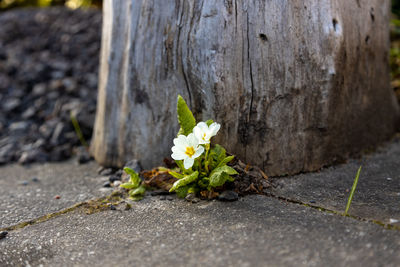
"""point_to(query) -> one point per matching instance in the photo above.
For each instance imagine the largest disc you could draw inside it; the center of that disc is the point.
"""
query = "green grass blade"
(78, 130)
(353, 189)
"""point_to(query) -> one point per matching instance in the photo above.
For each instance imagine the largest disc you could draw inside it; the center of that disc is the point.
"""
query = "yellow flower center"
(204, 137)
(189, 151)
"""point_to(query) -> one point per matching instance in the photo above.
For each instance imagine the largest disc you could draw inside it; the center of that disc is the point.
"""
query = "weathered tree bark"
(295, 84)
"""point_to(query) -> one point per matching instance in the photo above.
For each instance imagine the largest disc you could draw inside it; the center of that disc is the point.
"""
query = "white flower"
(204, 133)
(186, 148)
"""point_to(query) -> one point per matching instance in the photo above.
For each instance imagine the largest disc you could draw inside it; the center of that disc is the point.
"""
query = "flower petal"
(180, 141)
(178, 149)
(214, 128)
(179, 155)
(197, 132)
(192, 140)
(188, 162)
(203, 126)
(198, 152)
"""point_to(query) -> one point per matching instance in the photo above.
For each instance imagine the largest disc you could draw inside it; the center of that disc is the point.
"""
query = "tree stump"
(296, 85)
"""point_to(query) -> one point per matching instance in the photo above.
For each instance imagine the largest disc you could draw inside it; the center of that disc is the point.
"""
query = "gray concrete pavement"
(254, 231)
(23, 198)
(377, 196)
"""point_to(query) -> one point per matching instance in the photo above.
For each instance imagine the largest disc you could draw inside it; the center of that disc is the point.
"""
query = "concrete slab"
(378, 191)
(30, 192)
(255, 231)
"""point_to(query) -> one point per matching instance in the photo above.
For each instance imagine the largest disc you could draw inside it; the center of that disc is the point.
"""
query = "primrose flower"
(186, 148)
(203, 132)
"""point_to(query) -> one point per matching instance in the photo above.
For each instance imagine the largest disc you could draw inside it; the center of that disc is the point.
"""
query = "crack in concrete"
(326, 210)
(108, 199)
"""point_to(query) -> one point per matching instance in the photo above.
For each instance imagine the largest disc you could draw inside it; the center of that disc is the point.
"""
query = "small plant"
(78, 130)
(200, 165)
(135, 187)
(353, 189)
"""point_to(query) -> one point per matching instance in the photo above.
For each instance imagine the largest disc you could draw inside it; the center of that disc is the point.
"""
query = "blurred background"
(49, 60)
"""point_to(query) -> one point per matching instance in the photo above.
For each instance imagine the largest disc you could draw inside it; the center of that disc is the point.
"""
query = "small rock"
(192, 198)
(228, 196)
(57, 197)
(35, 179)
(106, 172)
(170, 198)
(312, 201)
(118, 173)
(389, 179)
(135, 165)
(32, 155)
(114, 178)
(83, 155)
(7, 152)
(19, 126)
(11, 104)
(29, 113)
(3, 234)
(163, 197)
(39, 89)
(24, 183)
(112, 207)
(57, 137)
(107, 184)
(393, 221)
(159, 193)
(117, 183)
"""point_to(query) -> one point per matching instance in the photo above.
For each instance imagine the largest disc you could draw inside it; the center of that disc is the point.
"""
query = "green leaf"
(219, 179)
(209, 122)
(134, 177)
(138, 191)
(225, 161)
(217, 154)
(182, 192)
(203, 183)
(128, 186)
(225, 168)
(185, 117)
(136, 198)
(177, 175)
(184, 181)
(221, 174)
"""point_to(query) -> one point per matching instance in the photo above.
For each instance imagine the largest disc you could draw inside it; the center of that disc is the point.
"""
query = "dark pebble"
(24, 183)
(170, 198)
(228, 196)
(3, 234)
(112, 207)
(192, 198)
(107, 184)
(114, 178)
(57, 197)
(35, 179)
(163, 197)
(312, 201)
(159, 193)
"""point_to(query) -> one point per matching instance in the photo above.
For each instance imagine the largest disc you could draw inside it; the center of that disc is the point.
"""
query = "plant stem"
(206, 158)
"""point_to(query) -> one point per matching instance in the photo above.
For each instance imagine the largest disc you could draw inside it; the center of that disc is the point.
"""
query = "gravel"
(48, 69)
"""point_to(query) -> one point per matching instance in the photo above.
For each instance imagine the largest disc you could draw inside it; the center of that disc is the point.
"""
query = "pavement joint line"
(52, 215)
(55, 214)
(326, 210)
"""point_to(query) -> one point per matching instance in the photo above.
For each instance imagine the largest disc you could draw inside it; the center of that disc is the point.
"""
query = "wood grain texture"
(296, 85)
